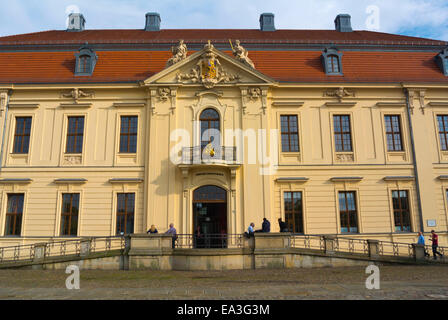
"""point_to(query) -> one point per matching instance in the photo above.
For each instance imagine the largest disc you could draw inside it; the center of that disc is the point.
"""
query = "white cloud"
(428, 17)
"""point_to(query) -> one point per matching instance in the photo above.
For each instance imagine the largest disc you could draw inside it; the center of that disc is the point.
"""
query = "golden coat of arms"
(208, 70)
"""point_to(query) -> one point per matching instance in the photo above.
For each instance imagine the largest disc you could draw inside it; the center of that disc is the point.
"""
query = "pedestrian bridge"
(214, 252)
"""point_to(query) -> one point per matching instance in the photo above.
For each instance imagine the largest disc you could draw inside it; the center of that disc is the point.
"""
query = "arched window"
(85, 61)
(442, 61)
(209, 120)
(332, 61)
(84, 64)
(333, 64)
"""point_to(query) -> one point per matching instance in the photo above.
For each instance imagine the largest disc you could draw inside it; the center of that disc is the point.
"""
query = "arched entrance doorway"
(210, 217)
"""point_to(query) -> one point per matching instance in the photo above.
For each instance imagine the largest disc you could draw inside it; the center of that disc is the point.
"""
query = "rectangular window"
(128, 134)
(75, 134)
(294, 211)
(443, 131)
(393, 132)
(125, 213)
(402, 214)
(22, 135)
(14, 213)
(348, 212)
(290, 133)
(342, 133)
(69, 214)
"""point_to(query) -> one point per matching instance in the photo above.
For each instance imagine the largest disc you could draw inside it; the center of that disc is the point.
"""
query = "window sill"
(291, 154)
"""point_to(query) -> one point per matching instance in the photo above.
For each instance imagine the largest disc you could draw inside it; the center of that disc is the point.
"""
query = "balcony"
(208, 155)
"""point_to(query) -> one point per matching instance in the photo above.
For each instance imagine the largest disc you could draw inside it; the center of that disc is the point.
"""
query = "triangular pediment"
(209, 68)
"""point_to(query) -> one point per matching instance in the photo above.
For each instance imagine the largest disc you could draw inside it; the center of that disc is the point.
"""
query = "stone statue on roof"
(242, 54)
(179, 53)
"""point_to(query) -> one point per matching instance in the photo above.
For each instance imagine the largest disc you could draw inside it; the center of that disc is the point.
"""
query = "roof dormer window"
(332, 60)
(85, 61)
(442, 61)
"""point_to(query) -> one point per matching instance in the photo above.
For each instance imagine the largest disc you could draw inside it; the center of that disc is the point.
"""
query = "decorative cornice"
(438, 104)
(288, 103)
(340, 104)
(399, 178)
(125, 180)
(391, 104)
(346, 179)
(24, 105)
(76, 105)
(129, 105)
(292, 179)
(16, 181)
(70, 181)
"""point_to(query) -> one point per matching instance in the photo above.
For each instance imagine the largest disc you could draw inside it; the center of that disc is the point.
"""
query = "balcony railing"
(28, 253)
(199, 155)
(209, 241)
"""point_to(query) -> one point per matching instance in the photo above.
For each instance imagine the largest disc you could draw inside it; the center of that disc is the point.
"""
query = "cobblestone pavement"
(397, 282)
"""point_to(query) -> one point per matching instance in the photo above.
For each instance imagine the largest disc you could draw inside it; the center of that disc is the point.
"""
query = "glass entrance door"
(210, 217)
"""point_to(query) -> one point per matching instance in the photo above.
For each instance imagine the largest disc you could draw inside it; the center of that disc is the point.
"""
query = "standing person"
(250, 231)
(152, 230)
(198, 237)
(266, 226)
(435, 243)
(283, 226)
(421, 241)
(173, 233)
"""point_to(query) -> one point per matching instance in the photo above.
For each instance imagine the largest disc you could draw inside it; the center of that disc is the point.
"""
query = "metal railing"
(56, 249)
(360, 246)
(351, 245)
(209, 241)
(197, 155)
(395, 249)
(308, 242)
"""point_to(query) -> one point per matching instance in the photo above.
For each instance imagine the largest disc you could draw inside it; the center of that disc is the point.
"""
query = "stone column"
(271, 250)
(150, 251)
(419, 252)
(39, 252)
(374, 251)
(86, 245)
(330, 245)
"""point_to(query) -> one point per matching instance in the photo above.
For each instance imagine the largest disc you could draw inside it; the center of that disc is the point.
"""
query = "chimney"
(267, 22)
(343, 23)
(76, 22)
(152, 21)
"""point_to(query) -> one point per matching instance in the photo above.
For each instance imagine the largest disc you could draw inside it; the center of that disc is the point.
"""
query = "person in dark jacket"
(283, 226)
(266, 226)
(153, 230)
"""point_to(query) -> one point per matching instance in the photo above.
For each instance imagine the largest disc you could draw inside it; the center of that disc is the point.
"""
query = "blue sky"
(424, 18)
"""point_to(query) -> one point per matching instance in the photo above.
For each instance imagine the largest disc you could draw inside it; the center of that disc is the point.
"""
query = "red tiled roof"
(217, 35)
(283, 66)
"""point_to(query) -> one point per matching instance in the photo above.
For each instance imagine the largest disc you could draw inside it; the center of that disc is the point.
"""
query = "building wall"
(164, 189)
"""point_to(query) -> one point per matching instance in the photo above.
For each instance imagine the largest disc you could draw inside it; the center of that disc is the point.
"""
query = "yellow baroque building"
(107, 132)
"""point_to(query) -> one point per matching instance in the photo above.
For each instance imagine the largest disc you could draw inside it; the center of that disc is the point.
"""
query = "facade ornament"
(345, 158)
(339, 93)
(164, 94)
(421, 96)
(242, 54)
(411, 101)
(208, 71)
(179, 53)
(3, 101)
(77, 94)
(254, 93)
